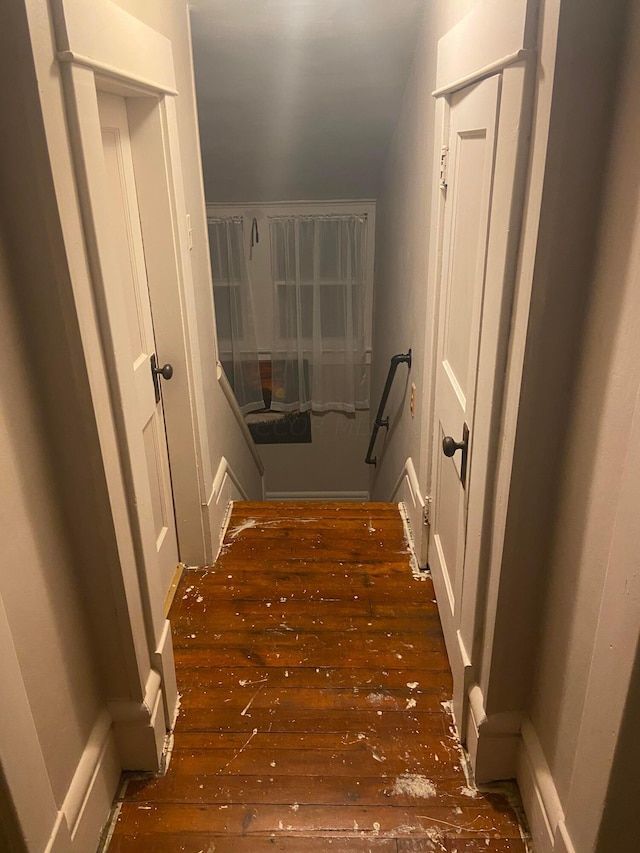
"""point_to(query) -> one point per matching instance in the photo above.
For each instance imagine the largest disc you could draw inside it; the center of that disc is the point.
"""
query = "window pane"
(283, 263)
(305, 249)
(306, 311)
(333, 316)
(331, 241)
(223, 311)
(229, 319)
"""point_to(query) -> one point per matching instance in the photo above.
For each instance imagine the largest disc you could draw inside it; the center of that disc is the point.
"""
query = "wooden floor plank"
(298, 698)
(182, 787)
(314, 701)
(208, 843)
(353, 819)
(392, 723)
(434, 736)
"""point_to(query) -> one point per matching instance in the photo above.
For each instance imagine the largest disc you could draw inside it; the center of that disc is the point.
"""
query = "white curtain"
(237, 347)
(318, 270)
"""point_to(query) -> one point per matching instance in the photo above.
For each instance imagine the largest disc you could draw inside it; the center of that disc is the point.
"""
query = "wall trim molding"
(539, 795)
(90, 794)
(225, 470)
(79, 30)
(163, 662)
(214, 206)
(86, 769)
(414, 506)
(227, 390)
(140, 727)
(219, 503)
(487, 71)
(317, 496)
(464, 57)
(411, 542)
(492, 740)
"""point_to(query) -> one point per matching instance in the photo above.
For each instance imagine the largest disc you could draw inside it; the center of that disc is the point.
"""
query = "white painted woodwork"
(82, 38)
(493, 35)
(416, 510)
(143, 521)
(473, 263)
(153, 479)
(136, 61)
(472, 122)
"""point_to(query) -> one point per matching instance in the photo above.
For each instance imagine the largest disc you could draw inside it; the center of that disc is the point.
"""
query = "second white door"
(479, 238)
(151, 472)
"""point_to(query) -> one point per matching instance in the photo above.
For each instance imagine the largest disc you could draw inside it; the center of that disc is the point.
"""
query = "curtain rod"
(284, 216)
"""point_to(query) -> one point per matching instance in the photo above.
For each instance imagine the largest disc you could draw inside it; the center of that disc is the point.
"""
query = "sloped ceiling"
(298, 99)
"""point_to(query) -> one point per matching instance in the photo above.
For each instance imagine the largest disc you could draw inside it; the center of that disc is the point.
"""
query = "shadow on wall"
(618, 830)
(332, 465)
(395, 411)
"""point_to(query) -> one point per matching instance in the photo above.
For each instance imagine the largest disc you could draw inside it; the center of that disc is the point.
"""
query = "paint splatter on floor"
(316, 701)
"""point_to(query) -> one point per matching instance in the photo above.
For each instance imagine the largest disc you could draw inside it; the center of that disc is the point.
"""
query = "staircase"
(315, 701)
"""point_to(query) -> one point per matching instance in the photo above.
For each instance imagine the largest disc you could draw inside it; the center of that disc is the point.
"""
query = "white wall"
(333, 463)
(331, 467)
(581, 684)
(39, 585)
(298, 99)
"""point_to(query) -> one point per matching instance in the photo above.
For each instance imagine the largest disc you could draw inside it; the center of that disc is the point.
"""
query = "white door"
(478, 237)
(151, 474)
(472, 126)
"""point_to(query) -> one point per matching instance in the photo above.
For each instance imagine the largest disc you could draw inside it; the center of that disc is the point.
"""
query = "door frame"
(497, 37)
(136, 62)
(102, 47)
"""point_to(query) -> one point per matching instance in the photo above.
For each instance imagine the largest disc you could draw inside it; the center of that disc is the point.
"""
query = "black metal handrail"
(401, 358)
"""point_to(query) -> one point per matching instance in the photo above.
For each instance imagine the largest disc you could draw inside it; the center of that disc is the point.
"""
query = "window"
(237, 348)
(318, 270)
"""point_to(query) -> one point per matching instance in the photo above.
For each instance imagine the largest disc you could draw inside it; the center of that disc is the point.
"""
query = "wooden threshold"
(173, 587)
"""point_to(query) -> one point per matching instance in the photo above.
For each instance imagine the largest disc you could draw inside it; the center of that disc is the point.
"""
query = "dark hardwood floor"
(314, 712)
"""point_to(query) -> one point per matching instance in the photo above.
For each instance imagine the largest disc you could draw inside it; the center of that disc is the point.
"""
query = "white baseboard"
(140, 727)
(410, 540)
(89, 798)
(318, 496)
(163, 662)
(226, 488)
(492, 741)
(540, 798)
(407, 490)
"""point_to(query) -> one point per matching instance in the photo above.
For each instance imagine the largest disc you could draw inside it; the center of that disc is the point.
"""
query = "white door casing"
(484, 79)
(473, 114)
(151, 473)
(102, 48)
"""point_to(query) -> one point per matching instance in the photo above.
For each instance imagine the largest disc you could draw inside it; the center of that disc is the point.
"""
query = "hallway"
(314, 687)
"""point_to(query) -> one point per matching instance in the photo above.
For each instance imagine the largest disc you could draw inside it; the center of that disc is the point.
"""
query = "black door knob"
(450, 445)
(166, 371)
